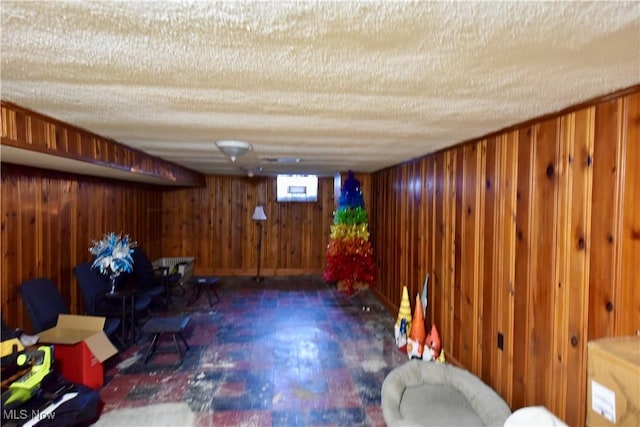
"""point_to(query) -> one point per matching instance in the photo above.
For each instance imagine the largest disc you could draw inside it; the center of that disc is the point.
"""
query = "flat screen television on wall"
(297, 188)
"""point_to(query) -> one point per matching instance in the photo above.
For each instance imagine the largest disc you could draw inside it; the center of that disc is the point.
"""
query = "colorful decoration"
(349, 231)
(433, 344)
(351, 195)
(349, 259)
(424, 297)
(355, 215)
(415, 342)
(113, 256)
(404, 314)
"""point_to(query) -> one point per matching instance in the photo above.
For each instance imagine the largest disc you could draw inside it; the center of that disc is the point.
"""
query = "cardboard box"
(613, 382)
(80, 347)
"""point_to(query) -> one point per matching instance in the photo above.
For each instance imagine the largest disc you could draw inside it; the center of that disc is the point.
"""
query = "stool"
(166, 325)
(209, 283)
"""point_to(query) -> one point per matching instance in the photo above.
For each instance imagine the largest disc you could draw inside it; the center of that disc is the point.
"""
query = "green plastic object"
(25, 387)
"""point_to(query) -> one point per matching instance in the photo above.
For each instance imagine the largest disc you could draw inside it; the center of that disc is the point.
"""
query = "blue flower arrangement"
(113, 254)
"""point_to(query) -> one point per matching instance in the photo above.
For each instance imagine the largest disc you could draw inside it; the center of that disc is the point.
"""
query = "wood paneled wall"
(214, 225)
(533, 233)
(49, 220)
(27, 130)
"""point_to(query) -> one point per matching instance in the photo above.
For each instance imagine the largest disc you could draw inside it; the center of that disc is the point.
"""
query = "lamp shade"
(258, 214)
(233, 149)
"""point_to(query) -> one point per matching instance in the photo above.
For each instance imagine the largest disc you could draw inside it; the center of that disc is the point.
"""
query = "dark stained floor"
(289, 351)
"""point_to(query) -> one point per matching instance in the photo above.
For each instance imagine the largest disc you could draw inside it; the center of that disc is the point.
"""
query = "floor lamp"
(259, 216)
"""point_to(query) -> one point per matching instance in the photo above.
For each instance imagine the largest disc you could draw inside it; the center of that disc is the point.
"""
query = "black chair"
(94, 288)
(155, 282)
(44, 303)
(8, 333)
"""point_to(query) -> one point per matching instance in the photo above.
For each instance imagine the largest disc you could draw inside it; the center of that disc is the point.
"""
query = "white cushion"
(533, 416)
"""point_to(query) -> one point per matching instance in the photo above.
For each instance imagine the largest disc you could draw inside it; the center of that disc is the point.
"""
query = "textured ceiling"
(340, 85)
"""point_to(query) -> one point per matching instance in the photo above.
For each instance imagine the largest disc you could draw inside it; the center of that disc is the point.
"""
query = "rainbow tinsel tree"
(349, 256)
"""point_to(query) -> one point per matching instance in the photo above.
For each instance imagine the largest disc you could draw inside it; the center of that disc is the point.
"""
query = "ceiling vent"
(288, 160)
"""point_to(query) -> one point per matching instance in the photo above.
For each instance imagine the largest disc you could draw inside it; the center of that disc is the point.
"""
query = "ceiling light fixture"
(252, 171)
(233, 149)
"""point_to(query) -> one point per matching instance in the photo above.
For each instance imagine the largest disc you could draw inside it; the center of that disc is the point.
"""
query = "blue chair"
(44, 303)
(94, 287)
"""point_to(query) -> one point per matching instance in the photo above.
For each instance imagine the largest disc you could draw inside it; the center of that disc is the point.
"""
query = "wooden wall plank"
(8, 125)
(543, 231)
(606, 196)
(628, 292)
(471, 197)
(452, 192)
(579, 243)
(524, 249)
(9, 273)
(430, 241)
(439, 299)
(491, 256)
(505, 276)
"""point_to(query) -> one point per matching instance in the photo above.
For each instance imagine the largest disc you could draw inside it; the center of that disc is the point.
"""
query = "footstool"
(209, 283)
(174, 325)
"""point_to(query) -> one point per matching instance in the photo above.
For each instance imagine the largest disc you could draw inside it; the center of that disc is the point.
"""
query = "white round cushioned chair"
(420, 393)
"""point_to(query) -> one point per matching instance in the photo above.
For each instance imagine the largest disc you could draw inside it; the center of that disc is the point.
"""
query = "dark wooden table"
(127, 299)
